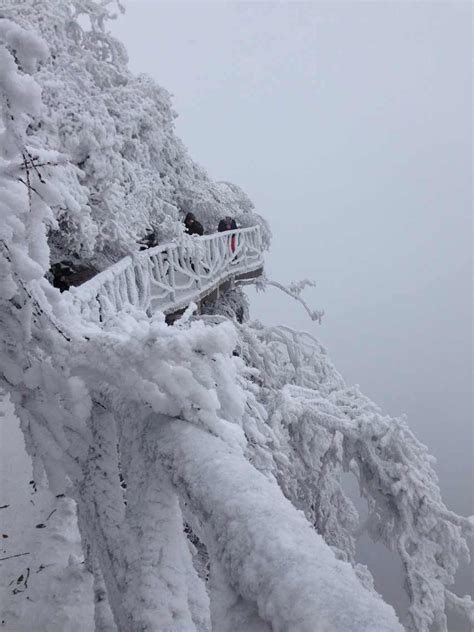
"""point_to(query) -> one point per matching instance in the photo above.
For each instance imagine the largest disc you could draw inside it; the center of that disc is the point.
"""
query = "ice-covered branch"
(294, 290)
(270, 553)
(396, 477)
(463, 606)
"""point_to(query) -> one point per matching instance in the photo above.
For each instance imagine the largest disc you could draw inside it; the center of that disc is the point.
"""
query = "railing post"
(171, 272)
(198, 269)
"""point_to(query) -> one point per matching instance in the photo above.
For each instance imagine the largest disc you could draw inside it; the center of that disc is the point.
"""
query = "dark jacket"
(149, 240)
(227, 224)
(193, 227)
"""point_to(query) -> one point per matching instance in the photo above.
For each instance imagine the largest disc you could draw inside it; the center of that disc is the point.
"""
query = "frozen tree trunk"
(139, 554)
(101, 511)
(269, 553)
(103, 617)
(157, 575)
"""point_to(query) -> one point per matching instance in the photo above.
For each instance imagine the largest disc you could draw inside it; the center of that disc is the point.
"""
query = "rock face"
(65, 274)
(232, 303)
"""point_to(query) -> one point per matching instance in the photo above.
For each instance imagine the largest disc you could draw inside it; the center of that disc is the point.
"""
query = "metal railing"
(170, 276)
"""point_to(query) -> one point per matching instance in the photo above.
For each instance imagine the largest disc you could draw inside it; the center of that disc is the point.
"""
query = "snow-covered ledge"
(170, 276)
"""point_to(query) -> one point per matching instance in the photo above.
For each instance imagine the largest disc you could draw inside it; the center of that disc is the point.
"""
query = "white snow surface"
(44, 585)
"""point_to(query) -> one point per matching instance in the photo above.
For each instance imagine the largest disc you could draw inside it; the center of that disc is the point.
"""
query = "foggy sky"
(349, 126)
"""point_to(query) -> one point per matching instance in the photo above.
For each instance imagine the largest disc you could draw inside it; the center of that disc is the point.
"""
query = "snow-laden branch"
(323, 428)
(463, 606)
(270, 553)
(294, 290)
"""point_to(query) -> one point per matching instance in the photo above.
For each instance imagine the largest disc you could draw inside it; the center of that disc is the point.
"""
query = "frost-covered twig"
(9, 557)
(294, 290)
(463, 606)
(397, 479)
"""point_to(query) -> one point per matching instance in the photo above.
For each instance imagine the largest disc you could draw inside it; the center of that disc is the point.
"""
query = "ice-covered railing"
(170, 276)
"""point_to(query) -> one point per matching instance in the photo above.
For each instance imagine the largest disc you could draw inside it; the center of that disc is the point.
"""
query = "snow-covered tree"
(128, 172)
(205, 459)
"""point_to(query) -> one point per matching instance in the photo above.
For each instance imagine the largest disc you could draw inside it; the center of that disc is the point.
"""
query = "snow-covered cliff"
(205, 460)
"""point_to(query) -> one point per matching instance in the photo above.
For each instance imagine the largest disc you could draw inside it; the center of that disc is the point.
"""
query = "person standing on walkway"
(228, 223)
(193, 227)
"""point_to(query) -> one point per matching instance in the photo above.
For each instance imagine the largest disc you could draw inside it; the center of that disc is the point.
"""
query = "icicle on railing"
(170, 276)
